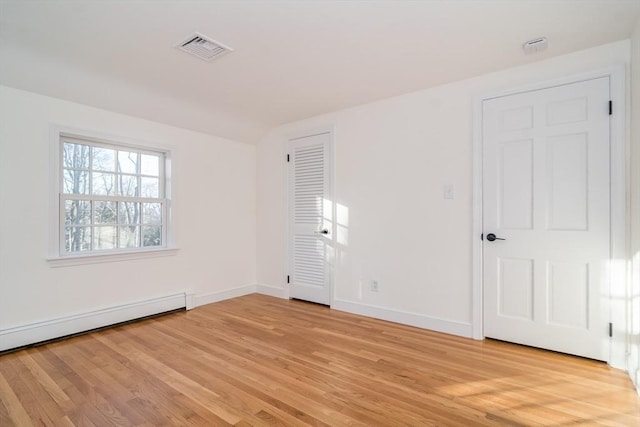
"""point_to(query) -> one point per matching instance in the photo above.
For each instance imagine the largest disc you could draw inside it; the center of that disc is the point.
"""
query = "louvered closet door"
(310, 215)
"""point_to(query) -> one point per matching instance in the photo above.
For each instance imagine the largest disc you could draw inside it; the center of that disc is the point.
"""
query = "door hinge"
(610, 329)
(287, 157)
(288, 279)
(610, 108)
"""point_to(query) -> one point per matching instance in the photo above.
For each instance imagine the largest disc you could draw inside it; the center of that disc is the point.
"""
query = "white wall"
(633, 307)
(214, 208)
(392, 159)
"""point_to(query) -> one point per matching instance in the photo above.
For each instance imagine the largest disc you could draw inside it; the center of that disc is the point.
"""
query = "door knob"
(491, 237)
(325, 231)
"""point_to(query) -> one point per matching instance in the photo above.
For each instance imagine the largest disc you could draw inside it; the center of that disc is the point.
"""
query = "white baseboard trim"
(203, 299)
(55, 328)
(270, 290)
(405, 318)
(190, 301)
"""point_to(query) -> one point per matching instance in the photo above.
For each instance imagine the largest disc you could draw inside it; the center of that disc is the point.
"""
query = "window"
(112, 198)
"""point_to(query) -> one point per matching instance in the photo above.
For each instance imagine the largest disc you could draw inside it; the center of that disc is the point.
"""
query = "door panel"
(567, 182)
(516, 185)
(310, 218)
(546, 192)
(568, 282)
(515, 282)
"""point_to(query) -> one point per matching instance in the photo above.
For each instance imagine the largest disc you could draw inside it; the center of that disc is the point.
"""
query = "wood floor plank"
(148, 390)
(222, 361)
(263, 361)
(40, 407)
(183, 384)
(17, 415)
(43, 378)
(300, 367)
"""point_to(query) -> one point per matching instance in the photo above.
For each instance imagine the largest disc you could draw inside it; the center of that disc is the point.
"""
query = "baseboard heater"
(24, 335)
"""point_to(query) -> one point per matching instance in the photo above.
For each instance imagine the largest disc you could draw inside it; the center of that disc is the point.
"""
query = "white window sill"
(69, 260)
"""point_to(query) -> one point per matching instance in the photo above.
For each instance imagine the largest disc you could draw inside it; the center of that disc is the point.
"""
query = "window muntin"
(112, 198)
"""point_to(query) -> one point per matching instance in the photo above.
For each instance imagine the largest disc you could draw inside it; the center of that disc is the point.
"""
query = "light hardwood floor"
(258, 360)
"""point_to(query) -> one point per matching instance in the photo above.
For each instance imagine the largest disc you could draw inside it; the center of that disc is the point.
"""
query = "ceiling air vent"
(203, 47)
(535, 45)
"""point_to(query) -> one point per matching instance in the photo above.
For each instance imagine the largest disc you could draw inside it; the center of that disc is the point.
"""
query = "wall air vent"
(203, 47)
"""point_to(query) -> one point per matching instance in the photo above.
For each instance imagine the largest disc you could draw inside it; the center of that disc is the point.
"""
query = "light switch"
(447, 191)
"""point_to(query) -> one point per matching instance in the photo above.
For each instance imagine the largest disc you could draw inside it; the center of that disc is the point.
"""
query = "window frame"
(58, 256)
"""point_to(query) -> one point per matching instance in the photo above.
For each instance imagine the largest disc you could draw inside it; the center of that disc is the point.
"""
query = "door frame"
(328, 129)
(619, 196)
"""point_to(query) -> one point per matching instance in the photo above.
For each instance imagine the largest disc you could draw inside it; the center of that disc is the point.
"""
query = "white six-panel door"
(546, 193)
(310, 210)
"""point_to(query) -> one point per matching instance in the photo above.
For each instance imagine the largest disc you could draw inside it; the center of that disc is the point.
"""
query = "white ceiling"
(292, 59)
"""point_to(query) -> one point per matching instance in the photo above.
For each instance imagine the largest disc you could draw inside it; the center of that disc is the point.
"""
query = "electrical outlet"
(374, 286)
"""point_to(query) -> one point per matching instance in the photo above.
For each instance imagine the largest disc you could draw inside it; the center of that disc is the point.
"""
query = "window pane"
(152, 236)
(104, 238)
(104, 159)
(103, 184)
(130, 237)
(113, 196)
(75, 182)
(152, 213)
(77, 239)
(77, 212)
(128, 185)
(150, 165)
(127, 162)
(75, 156)
(129, 213)
(104, 212)
(150, 187)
